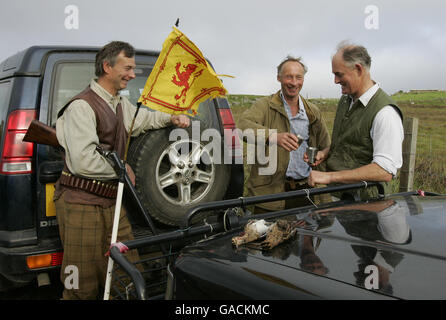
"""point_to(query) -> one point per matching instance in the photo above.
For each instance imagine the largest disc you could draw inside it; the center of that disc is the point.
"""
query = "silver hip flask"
(311, 153)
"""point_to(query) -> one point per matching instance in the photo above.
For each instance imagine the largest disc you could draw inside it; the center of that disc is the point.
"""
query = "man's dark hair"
(109, 53)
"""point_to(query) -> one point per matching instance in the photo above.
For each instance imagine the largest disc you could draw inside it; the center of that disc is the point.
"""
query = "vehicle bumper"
(13, 261)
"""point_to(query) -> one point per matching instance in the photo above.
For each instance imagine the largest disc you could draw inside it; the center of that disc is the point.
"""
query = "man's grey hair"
(109, 53)
(291, 58)
(354, 54)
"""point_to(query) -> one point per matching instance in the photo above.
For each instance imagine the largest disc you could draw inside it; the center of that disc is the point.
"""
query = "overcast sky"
(248, 39)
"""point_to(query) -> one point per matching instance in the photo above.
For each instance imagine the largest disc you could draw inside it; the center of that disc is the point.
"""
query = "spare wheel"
(175, 176)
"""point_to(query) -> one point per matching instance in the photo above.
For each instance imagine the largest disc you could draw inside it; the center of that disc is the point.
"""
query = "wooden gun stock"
(39, 132)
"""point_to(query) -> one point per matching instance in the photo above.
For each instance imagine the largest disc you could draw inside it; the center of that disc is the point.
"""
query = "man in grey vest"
(367, 131)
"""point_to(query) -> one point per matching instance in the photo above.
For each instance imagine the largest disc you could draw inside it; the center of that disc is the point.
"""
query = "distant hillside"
(421, 97)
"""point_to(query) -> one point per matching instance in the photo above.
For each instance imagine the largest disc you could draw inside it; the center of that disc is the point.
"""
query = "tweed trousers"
(85, 232)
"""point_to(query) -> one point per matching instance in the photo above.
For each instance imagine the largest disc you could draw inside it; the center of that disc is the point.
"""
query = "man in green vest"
(367, 131)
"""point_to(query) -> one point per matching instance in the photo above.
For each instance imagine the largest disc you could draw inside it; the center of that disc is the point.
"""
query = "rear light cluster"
(17, 155)
(231, 135)
(44, 260)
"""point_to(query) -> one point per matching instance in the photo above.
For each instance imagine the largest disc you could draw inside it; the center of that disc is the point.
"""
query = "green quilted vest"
(351, 145)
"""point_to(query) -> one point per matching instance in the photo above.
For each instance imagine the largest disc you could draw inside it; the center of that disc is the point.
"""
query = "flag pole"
(138, 106)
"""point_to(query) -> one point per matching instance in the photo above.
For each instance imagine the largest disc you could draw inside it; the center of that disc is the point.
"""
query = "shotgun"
(39, 132)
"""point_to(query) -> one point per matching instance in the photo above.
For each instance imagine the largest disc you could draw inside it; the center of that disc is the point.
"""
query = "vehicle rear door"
(65, 75)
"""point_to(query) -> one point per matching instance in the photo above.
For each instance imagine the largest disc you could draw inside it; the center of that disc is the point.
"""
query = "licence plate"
(50, 207)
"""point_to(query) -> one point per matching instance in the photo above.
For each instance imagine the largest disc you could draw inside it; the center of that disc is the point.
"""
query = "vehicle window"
(4, 99)
(73, 77)
(136, 86)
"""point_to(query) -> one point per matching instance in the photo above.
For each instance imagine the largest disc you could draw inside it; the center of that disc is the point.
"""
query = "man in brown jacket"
(290, 115)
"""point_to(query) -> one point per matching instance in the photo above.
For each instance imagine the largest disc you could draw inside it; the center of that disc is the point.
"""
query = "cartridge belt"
(107, 189)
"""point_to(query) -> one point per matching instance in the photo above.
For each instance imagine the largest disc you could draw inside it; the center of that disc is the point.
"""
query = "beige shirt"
(76, 132)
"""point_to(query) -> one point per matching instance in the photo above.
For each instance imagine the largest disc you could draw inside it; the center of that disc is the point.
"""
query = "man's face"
(348, 78)
(291, 79)
(122, 72)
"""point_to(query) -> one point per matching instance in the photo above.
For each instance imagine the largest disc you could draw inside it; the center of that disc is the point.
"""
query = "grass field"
(428, 107)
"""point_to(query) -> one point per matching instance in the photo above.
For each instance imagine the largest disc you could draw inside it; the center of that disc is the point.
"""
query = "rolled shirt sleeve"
(387, 134)
(145, 120)
(76, 133)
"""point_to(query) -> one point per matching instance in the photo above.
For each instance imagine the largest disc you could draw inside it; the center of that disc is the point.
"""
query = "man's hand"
(286, 140)
(319, 177)
(320, 156)
(130, 173)
(180, 120)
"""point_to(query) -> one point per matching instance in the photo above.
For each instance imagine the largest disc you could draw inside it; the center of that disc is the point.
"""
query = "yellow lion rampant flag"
(181, 78)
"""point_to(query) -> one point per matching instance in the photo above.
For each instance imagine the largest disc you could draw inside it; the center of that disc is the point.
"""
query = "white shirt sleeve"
(392, 224)
(387, 134)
